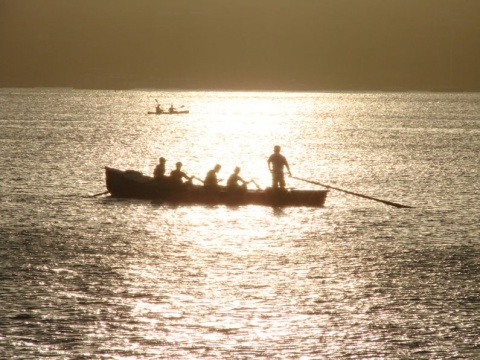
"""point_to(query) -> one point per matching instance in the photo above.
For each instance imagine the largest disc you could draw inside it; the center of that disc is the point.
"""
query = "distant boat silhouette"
(174, 112)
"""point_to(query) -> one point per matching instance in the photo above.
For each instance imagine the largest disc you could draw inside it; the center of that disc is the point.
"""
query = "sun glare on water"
(233, 129)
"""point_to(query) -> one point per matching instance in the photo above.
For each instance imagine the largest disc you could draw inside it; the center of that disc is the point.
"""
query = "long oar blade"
(102, 193)
(391, 203)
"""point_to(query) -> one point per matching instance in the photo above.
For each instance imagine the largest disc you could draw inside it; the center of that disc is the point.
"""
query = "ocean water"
(85, 277)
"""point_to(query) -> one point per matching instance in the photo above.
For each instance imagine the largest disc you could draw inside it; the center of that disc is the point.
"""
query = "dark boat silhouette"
(135, 185)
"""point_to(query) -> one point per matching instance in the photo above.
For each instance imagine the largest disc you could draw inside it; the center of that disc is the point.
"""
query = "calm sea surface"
(85, 277)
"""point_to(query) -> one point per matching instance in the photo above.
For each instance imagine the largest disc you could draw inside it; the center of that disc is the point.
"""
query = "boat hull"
(132, 184)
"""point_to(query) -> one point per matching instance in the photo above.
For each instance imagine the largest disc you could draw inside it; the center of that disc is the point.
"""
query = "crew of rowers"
(234, 182)
(276, 163)
(159, 110)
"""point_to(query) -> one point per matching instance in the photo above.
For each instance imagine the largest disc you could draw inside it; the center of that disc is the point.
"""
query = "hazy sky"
(242, 44)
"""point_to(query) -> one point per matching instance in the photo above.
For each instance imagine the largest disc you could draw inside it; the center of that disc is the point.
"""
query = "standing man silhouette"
(276, 162)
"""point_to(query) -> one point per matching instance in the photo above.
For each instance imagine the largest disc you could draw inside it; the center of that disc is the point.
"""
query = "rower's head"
(217, 167)
(162, 160)
(276, 149)
(237, 170)
(178, 165)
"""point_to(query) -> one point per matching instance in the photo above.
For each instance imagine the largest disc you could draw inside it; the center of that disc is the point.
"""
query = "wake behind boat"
(135, 185)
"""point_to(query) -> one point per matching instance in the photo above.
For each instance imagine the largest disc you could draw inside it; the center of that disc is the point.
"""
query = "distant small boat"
(135, 185)
(175, 112)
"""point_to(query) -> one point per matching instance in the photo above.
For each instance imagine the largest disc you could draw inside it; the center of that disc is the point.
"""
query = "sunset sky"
(242, 44)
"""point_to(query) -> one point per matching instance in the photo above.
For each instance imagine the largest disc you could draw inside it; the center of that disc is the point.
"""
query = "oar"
(258, 187)
(356, 194)
(102, 193)
(194, 177)
(203, 182)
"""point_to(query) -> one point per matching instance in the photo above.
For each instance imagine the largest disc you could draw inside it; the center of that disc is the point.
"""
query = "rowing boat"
(135, 185)
(176, 112)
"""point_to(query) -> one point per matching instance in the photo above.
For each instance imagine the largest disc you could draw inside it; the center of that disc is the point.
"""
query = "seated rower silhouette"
(159, 179)
(211, 181)
(234, 179)
(177, 176)
(159, 171)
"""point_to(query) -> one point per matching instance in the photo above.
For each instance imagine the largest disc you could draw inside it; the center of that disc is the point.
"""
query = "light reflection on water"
(106, 278)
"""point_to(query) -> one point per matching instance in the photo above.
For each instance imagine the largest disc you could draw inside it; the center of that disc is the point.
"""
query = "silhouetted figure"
(276, 162)
(171, 109)
(211, 181)
(158, 109)
(159, 171)
(177, 175)
(234, 179)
